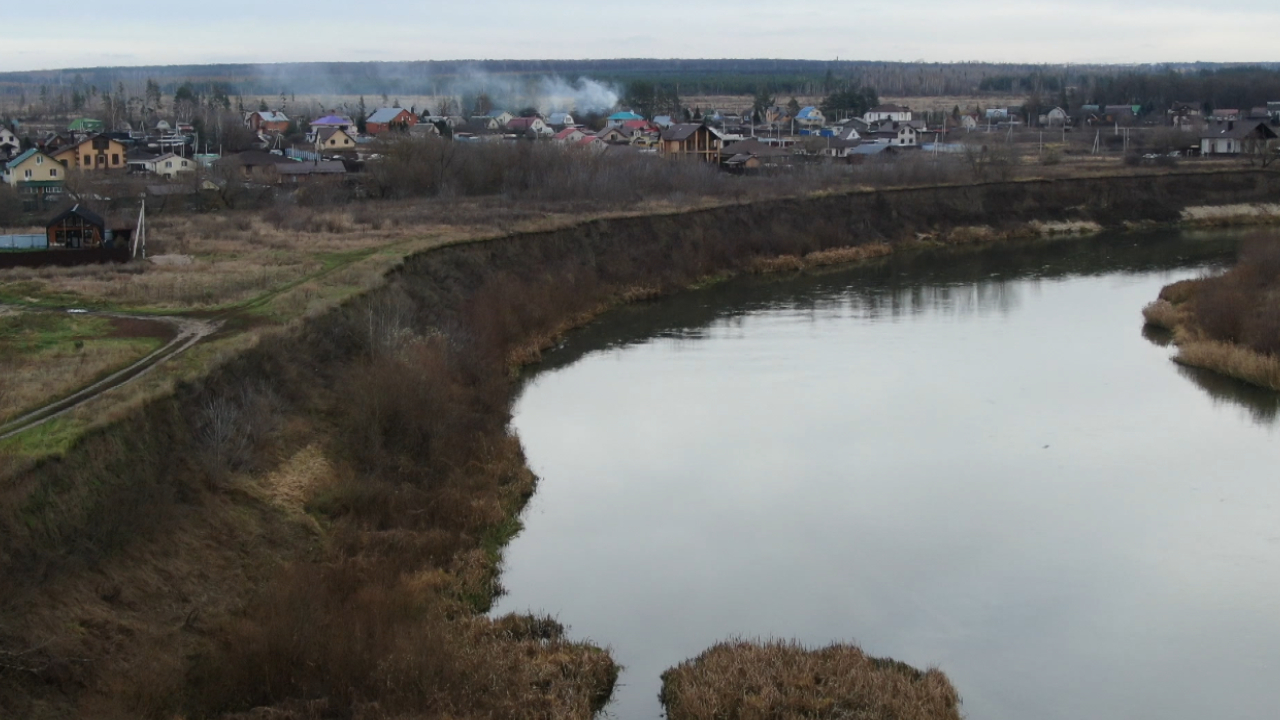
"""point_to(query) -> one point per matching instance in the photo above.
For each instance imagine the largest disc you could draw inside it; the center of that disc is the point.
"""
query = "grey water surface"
(972, 460)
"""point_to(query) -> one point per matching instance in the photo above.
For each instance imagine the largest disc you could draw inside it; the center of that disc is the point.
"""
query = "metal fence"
(24, 242)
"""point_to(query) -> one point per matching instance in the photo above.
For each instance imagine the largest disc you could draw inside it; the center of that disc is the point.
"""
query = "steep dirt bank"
(323, 512)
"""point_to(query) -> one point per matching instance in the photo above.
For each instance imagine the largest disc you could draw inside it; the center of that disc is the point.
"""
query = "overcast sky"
(133, 32)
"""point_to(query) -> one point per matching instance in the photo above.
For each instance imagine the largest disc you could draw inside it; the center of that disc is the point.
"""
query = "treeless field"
(45, 355)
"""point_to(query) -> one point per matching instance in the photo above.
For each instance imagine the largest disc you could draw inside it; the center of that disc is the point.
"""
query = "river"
(973, 460)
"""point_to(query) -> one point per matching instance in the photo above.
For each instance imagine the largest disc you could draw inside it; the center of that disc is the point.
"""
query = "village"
(50, 166)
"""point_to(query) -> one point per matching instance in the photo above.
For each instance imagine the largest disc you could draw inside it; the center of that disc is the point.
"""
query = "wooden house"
(692, 141)
(77, 227)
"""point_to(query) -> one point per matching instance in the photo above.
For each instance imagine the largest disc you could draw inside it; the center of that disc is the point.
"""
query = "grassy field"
(46, 355)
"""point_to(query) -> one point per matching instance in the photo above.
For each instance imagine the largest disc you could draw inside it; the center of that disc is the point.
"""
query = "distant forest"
(1215, 85)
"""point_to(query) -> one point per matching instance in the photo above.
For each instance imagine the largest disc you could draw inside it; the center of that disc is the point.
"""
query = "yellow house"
(334, 140)
(93, 153)
(37, 174)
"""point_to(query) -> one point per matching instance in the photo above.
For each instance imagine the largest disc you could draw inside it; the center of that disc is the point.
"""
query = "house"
(692, 141)
(9, 144)
(1234, 137)
(98, 152)
(384, 119)
(254, 166)
(569, 135)
(620, 117)
(663, 121)
(1120, 113)
(424, 130)
(522, 125)
(493, 120)
(169, 165)
(86, 126)
(812, 117)
(36, 175)
(303, 172)
(898, 134)
(591, 142)
(613, 134)
(267, 122)
(339, 122)
(1273, 109)
(896, 113)
(866, 151)
(753, 154)
(560, 120)
(968, 122)
(332, 139)
(76, 227)
(1224, 114)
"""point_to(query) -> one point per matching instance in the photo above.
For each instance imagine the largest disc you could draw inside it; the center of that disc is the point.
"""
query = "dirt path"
(189, 331)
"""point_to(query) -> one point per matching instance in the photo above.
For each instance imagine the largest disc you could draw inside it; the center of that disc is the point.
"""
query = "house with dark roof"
(332, 139)
(896, 113)
(384, 119)
(692, 141)
(341, 122)
(9, 143)
(560, 120)
(526, 125)
(569, 135)
(98, 152)
(77, 227)
(1235, 137)
(254, 166)
(304, 172)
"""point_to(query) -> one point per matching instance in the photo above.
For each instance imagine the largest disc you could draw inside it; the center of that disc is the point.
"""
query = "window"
(115, 158)
(168, 163)
(54, 190)
(39, 159)
(53, 172)
(26, 174)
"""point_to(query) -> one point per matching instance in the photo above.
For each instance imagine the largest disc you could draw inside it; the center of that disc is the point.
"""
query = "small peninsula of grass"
(783, 679)
(1229, 323)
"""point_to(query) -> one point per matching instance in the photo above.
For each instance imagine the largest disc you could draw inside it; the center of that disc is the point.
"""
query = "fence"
(24, 242)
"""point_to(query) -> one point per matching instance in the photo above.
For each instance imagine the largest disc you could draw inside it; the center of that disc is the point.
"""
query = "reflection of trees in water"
(1263, 405)
(956, 281)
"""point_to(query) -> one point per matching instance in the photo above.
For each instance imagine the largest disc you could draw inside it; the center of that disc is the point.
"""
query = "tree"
(761, 102)
(484, 104)
(793, 107)
(852, 101)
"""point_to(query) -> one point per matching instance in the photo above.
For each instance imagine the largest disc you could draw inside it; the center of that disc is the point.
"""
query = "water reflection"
(970, 460)
(1262, 405)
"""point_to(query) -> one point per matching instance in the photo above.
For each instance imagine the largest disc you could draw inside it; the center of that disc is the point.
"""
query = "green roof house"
(86, 125)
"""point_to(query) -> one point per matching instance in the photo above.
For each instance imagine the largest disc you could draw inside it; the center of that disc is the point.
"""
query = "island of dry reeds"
(1229, 322)
(750, 680)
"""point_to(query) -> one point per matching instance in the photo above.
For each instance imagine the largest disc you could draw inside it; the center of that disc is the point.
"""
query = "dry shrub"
(1242, 305)
(782, 679)
(1179, 292)
(856, 253)
(1233, 360)
(353, 640)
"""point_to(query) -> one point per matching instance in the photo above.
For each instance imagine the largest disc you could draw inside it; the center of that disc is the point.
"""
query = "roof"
(332, 120)
(255, 157)
(635, 124)
(271, 116)
(385, 115)
(559, 118)
(521, 123)
(682, 131)
(625, 115)
(327, 132)
(1236, 129)
(889, 109)
(753, 146)
(22, 157)
(870, 148)
(322, 167)
(809, 112)
(494, 114)
(88, 215)
(85, 124)
(566, 133)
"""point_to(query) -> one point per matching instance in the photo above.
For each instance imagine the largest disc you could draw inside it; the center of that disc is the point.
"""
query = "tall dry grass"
(1239, 362)
(746, 680)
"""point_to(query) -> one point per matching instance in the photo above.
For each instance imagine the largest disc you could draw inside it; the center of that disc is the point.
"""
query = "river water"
(975, 461)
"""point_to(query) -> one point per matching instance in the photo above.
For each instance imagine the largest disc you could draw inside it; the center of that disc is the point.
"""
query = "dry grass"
(1233, 360)
(743, 680)
(45, 355)
(1162, 314)
(820, 258)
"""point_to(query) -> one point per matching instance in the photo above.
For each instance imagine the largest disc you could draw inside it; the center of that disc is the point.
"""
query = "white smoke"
(546, 93)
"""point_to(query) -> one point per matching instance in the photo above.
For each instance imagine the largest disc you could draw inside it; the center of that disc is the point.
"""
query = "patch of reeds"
(1233, 360)
(1162, 314)
(748, 680)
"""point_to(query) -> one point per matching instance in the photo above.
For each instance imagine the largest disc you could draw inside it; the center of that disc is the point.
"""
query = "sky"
(1083, 31)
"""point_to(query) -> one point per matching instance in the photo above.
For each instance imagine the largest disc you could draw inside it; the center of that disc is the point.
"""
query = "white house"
(169, 165)
(812, 117)
(9, 145)
(1233, 137)
(896, 113)
(560, 120)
